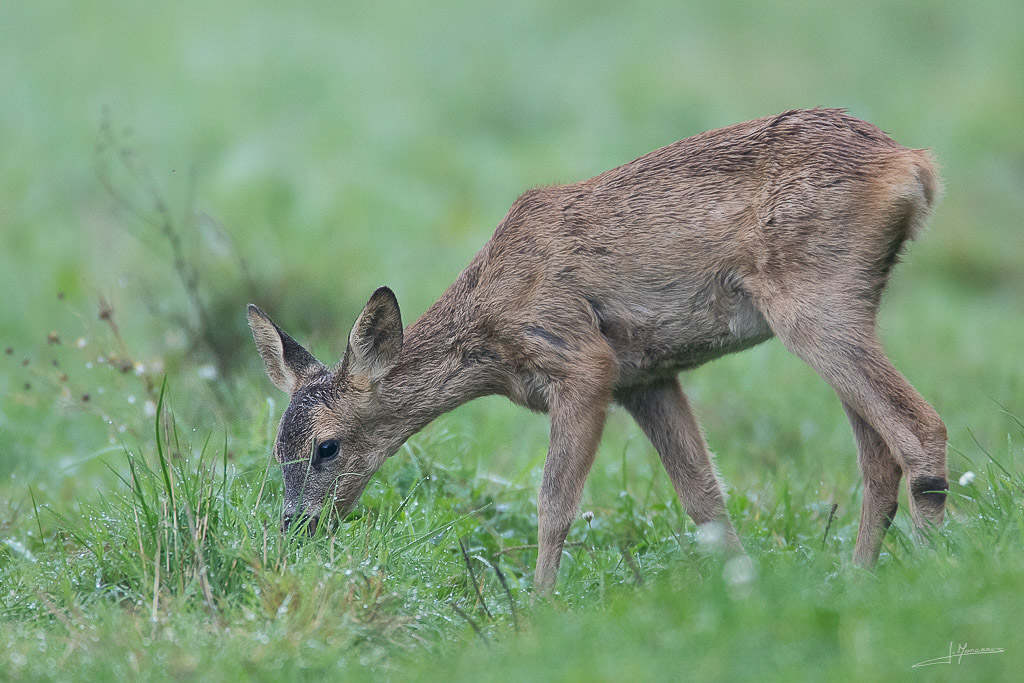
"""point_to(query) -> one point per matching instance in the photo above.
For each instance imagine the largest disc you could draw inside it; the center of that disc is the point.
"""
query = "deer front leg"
(578, 412)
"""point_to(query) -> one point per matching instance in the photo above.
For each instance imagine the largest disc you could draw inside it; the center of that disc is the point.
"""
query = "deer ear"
(376, 338)
(288, 364)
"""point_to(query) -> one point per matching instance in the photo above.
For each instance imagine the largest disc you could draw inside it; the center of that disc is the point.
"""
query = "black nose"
(290, 518)
(299, 519)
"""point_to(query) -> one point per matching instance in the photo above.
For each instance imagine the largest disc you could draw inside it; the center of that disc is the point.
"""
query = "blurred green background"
(170, 162)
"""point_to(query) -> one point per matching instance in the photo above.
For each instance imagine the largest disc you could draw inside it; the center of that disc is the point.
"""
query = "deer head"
(334, 434)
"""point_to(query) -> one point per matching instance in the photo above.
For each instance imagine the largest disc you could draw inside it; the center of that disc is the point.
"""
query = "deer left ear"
(289, 365)
(376, 338)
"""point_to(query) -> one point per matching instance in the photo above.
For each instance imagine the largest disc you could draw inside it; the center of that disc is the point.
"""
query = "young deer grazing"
(604, 290)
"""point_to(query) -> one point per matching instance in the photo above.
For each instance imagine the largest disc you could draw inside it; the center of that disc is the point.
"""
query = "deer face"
(333, 436)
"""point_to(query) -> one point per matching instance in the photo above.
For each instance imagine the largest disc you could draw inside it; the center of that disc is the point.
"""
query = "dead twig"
(633, 566)
(469, 619)
(508, 591)
(472, 579)
(831, 516)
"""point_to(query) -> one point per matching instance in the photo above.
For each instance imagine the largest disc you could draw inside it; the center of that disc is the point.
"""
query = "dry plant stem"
(154, 215)
(470, 621)
(638, 576)
(504, 585)
(127, 362)
(473, 581)
(831, 516)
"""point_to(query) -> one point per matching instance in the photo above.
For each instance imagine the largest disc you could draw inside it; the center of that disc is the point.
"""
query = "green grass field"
(164, 164)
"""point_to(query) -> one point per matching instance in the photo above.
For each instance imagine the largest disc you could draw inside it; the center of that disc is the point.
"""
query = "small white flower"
(131, 398)
(967, 478)
(81, 342)
(207, 372)
(149, 409)
(588, 516)
(139, 369)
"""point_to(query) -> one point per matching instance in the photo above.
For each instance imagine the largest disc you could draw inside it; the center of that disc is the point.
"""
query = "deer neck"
(433, 374)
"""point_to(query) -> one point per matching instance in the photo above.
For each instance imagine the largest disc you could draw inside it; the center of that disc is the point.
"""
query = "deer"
(603, 291)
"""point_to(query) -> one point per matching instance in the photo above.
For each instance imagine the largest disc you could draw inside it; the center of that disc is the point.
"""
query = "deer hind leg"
(664, 414)
(578, 409)
(881, 473)
(835, 335)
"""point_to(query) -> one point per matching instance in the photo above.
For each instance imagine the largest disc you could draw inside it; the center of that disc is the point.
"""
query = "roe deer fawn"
(603, 290)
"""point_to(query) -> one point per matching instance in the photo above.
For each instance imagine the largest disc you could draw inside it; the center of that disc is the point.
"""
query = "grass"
(182, 569)
(164, 165)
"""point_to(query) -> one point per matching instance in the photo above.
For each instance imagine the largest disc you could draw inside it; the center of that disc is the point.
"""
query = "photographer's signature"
(961, 651)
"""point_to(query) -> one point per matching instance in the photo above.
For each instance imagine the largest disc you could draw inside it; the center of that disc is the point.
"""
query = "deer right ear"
(288, 364)
(376, 338)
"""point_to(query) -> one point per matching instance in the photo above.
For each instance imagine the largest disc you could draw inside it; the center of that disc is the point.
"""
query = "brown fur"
(605, 289)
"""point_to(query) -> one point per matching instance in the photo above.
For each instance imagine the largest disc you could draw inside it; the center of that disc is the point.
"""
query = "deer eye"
(327, 450)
